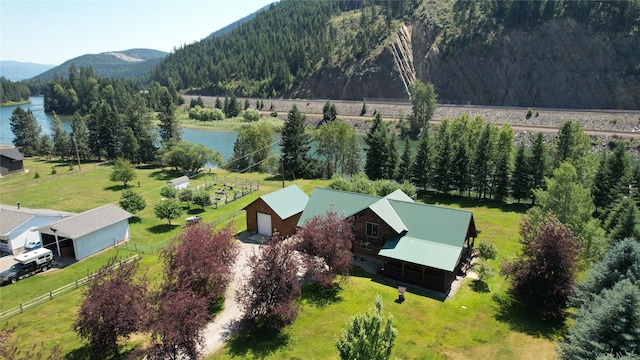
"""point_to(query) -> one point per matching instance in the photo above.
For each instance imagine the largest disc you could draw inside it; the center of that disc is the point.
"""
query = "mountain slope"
(17, 70)
(505, 53)
(134, 64)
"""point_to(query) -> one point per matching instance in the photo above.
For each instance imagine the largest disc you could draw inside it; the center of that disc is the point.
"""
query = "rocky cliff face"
(561, 64)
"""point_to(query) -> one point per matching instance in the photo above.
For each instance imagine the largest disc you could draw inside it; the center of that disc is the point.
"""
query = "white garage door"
(264, 224)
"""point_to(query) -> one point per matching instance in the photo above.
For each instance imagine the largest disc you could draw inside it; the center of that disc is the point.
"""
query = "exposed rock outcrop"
(561, 64)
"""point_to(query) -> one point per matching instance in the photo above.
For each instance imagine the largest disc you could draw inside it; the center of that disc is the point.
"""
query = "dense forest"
(12, 91)
(281, 47)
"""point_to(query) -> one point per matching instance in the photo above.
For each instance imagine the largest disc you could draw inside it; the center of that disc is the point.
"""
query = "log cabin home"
(421, 244)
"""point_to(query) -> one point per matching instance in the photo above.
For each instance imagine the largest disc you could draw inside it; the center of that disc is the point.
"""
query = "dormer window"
(372, 230)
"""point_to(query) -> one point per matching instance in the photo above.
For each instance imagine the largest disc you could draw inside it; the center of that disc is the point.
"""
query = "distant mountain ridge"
(18, 70)
(227, 29)
(132, 64)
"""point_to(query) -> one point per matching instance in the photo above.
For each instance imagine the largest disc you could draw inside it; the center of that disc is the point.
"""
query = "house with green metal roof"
(277, 211)
(416, 243)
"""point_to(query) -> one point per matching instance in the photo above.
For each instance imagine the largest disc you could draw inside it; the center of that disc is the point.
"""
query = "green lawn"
(471, 325)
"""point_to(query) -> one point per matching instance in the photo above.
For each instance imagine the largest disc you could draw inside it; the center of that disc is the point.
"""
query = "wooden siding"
(10, 166)
(360, 227)
(285, 227)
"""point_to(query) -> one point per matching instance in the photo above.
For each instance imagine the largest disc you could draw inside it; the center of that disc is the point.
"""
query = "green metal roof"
(428, 235)
(286, 202)
(343, 203)
(423, 252)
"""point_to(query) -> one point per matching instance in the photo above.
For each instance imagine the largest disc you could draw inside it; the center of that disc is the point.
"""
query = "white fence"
(57, 292)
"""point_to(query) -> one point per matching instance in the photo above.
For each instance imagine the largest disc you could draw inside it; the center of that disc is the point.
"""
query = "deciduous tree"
(252, 149)
(542, 276)
(201, 198)
(186, 195)
(168, 191)
(115, 305)
(168, 209)
(131, 202)
(368, 336)
(178, 324)
(201, 259)
(268, 295)
(326, 241)
(423, 98)
(123, 171)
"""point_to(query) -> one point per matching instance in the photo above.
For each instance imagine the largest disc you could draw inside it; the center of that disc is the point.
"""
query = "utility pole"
(282, 163)
(77, 153)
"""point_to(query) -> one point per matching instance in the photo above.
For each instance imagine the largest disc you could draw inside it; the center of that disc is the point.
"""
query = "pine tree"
(461, 159)
(482, 159)
(520, 184)
(538, 165)
(61, 143)
(367, 336)
(169, 126)
(391, 164)
(26, 131)
(406, 163)
(296, 145)
(442, 163)
(422, 166)
(80, 136)
(624, 221)
(377, 154)
(502, 169)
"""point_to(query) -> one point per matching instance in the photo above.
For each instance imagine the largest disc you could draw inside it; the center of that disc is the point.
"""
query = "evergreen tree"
(169, 126)
(537, 166)
(601, 186)
(502, 169)
(520, 183)
(61, 143)
(422, 166)
(329, 112)
(607, 324)
(443, 157)
(218, 104)
(391, 164)
(367, 336)
(624, 221)
(45, 146)
(26, 131)
(377, 154)
(622, 261)
(461, 159)
(406, 163)
(482, 159)
(130, 147)
(296, 145)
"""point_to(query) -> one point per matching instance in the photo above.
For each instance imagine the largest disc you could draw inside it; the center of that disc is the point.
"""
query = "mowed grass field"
(471, 325)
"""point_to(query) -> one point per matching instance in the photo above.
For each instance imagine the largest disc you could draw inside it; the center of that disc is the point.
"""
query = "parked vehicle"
(28, 264)
(32, 245)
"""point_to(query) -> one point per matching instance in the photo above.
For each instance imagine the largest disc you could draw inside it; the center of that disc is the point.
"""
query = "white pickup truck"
(28, 264)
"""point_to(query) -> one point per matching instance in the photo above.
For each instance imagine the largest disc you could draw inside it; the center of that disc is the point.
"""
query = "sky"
(52, 32)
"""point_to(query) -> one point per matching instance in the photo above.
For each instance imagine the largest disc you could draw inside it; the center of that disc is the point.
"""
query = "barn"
(11, 161)
(87, 233)
(278, 211)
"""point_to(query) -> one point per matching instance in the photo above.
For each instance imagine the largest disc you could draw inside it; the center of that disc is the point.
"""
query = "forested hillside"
(134, 64)
(581, 54)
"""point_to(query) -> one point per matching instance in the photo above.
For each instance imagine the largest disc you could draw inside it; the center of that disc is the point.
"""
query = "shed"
(179, 183)
(87, 233)
(18, 226)
(11, 161)
(278, 211)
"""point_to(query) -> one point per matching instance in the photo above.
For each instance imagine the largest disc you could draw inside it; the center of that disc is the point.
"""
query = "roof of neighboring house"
(286, 202)
(427, 234)
(178, 181)
(12, 153)
(87, 222)
(11, 216)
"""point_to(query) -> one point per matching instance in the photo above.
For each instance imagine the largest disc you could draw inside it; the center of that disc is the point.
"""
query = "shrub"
(251, 115)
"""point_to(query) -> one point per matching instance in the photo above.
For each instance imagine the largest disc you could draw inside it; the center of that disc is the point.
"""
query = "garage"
(264, 224)
(276, 212)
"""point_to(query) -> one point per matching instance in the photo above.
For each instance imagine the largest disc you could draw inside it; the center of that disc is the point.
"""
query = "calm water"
(214, 139)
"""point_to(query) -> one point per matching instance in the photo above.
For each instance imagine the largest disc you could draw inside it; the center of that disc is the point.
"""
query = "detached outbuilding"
(18, 226)
(278, 211)
(11, 161)
(87, 233)
(179, 183)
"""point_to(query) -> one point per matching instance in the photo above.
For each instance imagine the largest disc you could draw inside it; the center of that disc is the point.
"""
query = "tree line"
(12, 91)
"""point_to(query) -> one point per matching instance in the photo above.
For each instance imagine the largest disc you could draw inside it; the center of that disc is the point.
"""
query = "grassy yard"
(471, 325)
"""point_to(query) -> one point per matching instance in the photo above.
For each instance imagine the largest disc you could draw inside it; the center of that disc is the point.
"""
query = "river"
(220, 140)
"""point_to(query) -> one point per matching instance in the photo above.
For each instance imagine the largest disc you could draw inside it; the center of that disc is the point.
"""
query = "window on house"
(372, 230)
(365, 245)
